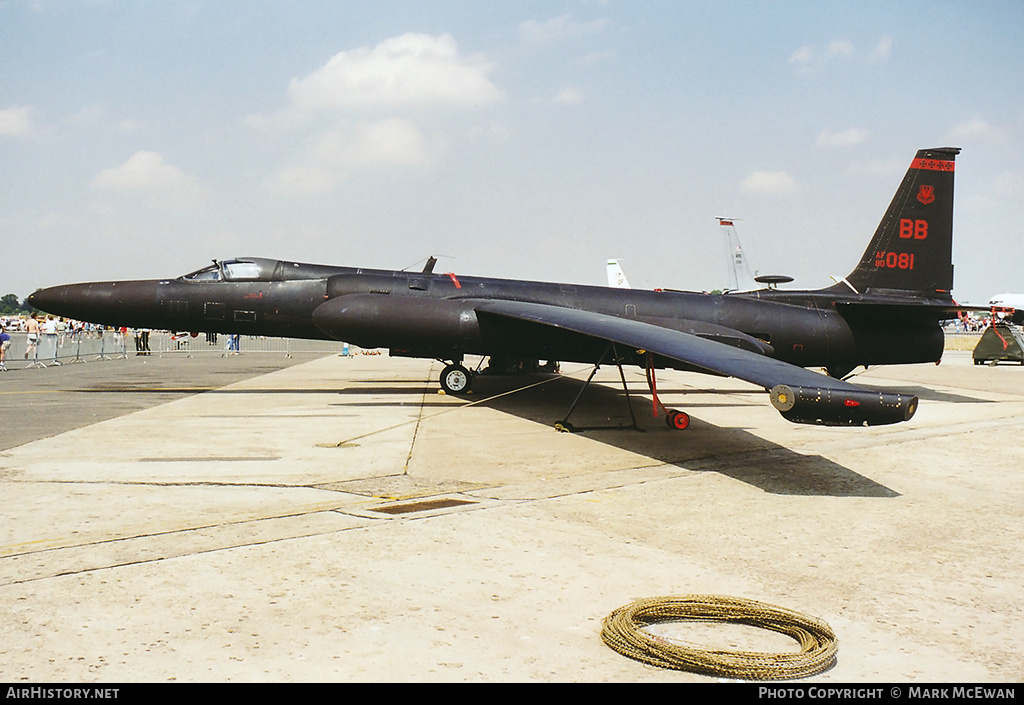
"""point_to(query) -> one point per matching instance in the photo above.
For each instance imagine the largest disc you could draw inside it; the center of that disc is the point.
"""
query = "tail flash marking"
(933, 164)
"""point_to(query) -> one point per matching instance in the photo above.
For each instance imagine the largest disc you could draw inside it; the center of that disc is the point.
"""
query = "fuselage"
(434, 315)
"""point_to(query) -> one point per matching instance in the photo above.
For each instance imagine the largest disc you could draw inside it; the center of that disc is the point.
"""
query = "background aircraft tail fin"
(912, 250)
(739, 276)
(616, 277)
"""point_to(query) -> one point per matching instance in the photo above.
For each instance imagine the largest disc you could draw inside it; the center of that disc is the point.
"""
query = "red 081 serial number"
(894, 260)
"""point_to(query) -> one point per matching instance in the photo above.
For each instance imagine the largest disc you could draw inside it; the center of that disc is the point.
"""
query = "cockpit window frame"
(209, 273)
(234, 270)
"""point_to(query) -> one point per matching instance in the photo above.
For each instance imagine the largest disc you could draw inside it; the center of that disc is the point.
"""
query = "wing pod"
(842, 407)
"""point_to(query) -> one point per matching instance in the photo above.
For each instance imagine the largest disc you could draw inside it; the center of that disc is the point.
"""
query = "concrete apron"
(341, 520)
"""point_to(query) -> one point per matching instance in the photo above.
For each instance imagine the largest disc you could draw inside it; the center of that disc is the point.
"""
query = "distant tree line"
(11, 306)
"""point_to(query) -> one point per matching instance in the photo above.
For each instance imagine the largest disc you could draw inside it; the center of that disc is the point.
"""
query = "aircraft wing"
(799, 394)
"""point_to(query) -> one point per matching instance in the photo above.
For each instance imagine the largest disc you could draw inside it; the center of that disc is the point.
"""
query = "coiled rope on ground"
(623, 631)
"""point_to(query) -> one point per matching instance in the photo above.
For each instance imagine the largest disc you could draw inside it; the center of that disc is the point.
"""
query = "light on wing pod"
(842, 407)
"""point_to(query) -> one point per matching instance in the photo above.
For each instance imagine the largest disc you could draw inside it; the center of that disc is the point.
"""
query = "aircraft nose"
(49, 298)
(106, 303)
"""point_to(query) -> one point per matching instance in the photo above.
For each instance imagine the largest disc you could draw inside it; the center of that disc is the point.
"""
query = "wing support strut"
(676, 420)
(566, 427)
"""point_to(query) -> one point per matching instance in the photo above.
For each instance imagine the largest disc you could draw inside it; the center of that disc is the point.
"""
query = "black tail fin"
(912, 250)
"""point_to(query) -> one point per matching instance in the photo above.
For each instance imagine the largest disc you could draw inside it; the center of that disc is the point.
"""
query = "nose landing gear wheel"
(456, 379)
(677, 420)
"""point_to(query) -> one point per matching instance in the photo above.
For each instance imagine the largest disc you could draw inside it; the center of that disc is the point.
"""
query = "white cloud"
(976, 129)
(839, 48)
(810, 58)
(396, 78)
(372, 144)
(335, 153)
(147, 177)
(846, 138)
(882, 49)
(15, 122)
(769, 182)
(802, 56)
(547, 30)
(411, 70)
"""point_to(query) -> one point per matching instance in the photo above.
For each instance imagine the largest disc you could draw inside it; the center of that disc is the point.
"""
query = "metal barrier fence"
(66, 349)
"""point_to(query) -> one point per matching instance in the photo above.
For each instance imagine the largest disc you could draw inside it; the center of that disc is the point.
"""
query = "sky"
(517, 139)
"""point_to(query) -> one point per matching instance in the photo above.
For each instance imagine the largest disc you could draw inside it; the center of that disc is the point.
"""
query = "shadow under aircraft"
(731, 451)
(888, 310)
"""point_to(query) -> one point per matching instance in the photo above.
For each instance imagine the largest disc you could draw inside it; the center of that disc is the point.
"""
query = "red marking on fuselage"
(456, 281)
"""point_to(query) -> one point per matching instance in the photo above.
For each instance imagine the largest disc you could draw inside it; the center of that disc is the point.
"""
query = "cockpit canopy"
(260, 269)
(247, 269)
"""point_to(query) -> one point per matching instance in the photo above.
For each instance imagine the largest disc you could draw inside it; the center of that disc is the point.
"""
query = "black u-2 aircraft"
(887, 311)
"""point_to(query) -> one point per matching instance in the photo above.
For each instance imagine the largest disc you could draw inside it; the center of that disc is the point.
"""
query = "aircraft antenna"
(428, 263)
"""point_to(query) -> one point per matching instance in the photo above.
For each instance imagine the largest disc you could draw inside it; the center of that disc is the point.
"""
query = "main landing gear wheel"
(456, 379)
(677, 420)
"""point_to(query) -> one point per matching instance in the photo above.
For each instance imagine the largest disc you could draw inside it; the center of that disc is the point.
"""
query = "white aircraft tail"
(738, 276)
(616, 277)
